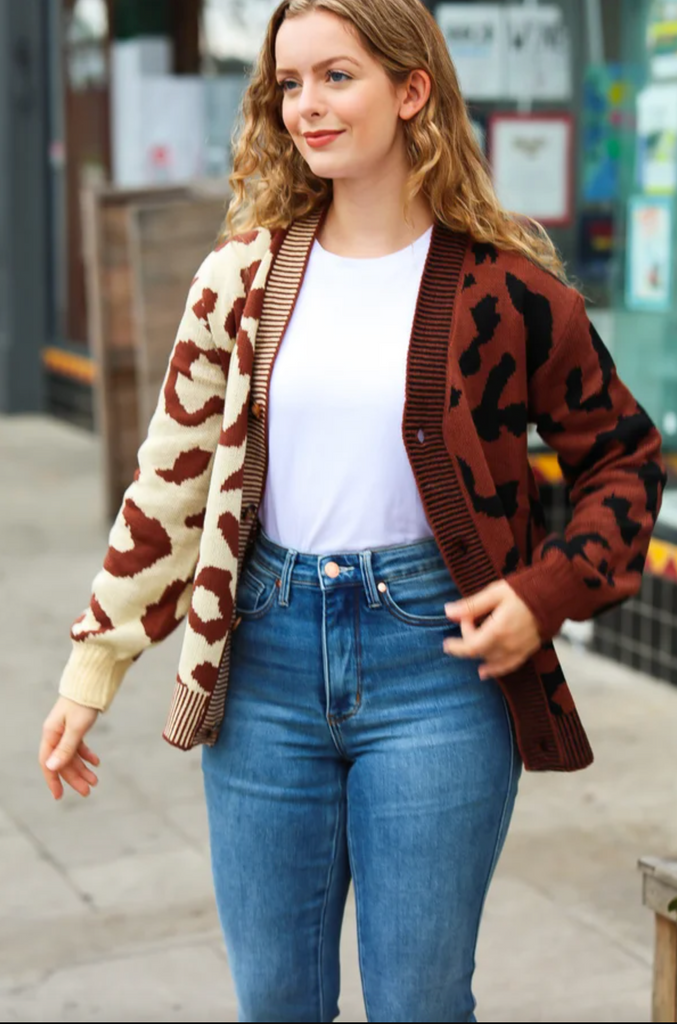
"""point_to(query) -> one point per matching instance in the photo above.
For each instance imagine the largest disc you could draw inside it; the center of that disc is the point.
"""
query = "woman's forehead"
(316, 36)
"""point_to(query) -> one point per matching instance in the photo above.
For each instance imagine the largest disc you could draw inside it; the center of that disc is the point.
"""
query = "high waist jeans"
(354, 747)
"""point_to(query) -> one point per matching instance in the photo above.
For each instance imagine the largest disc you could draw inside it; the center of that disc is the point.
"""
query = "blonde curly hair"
(272, 185)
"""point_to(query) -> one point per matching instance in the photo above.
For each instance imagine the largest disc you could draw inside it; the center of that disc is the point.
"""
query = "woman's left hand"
(508, 636)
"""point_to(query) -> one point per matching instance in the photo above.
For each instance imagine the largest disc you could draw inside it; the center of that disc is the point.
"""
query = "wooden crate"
(142, 248)
(659, 893)
(168, 244)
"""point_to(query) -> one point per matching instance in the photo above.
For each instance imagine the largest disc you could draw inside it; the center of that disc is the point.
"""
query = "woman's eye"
(288, 83)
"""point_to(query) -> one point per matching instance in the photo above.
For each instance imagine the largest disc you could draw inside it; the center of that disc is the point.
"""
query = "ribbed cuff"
(92, 676)
(549, 589)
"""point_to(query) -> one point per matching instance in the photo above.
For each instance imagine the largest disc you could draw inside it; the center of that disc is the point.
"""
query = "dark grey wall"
(24, 217)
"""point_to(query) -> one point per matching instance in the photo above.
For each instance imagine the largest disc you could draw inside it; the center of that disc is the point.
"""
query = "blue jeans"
(354, 747)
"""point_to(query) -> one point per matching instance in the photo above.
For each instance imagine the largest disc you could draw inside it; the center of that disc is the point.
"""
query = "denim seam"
(389, 603)
(323, 917)
(261, 611)
(338, 719)
(358, 914)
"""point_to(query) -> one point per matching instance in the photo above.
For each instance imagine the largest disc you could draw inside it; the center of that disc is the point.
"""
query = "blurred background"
(115, 126)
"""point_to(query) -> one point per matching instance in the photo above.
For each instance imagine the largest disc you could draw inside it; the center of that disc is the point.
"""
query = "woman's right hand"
(63, 751)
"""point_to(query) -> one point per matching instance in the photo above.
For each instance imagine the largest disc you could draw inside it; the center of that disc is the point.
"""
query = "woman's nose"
(309, 102)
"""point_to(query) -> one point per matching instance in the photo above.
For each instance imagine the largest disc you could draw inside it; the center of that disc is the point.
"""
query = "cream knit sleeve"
(143, 590)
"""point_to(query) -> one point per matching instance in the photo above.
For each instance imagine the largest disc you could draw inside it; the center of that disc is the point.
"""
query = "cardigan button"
(237, 622)
(461, 546)
(249, 511)
(257, 410)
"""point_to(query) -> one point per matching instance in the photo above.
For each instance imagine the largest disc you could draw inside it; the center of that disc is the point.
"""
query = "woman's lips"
(316, 141)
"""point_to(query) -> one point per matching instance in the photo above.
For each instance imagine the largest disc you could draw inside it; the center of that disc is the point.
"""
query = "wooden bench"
(659, 892)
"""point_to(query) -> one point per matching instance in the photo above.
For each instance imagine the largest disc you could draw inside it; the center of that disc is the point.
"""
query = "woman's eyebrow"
(318, 67)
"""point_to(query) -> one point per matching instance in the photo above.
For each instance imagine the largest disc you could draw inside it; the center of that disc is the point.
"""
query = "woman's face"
(331, 83)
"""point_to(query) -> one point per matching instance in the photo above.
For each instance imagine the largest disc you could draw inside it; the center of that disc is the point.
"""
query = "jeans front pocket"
(419, 599)
(256, 591)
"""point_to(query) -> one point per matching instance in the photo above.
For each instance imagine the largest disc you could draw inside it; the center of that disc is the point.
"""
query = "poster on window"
(475, 36)
(531, 161)
(662, 39)
(649, 270)
(657, 138)
(538, 53)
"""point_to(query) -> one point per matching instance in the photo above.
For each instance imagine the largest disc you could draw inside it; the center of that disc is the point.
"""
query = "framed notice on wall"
(531, 157)
(650, 268)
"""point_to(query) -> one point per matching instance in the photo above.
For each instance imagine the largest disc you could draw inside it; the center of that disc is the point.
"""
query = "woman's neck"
(359, 227)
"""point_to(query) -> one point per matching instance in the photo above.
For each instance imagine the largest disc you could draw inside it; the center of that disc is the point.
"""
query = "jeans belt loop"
(368, 579)
(285, 587)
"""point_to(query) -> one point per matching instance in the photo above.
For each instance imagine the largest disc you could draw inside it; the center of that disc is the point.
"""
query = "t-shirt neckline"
(366, 261)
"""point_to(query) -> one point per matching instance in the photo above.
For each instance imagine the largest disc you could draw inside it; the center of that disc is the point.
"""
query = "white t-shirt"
(339, 477)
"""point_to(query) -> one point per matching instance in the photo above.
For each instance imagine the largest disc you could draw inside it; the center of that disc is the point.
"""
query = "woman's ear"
(416, 94)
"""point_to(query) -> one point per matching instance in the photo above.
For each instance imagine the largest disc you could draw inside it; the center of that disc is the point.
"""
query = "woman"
(353, 527)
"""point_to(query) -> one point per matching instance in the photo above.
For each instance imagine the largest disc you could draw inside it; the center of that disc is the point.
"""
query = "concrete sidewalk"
(107, 908)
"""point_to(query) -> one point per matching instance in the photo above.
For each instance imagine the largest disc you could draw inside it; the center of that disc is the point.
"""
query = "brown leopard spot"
(105, 624)
(235, 481)
(188, 466)
(151, 544)
(196, 522)
(230, 531)
(205, 675)
(232, 324)
(235, 434)
(217, 582)
(162, 618)
(204, 306)
(186, 353)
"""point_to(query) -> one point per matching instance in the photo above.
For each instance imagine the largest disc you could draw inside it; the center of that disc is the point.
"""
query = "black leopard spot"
(575, 545)
(489, 418)
(551, 683)
(628, 432)
(495, 505)
(511, 563)
(486, 320)
(538, 322)
(484, 251)
(629, 528)
(455, 397)
(637, 563)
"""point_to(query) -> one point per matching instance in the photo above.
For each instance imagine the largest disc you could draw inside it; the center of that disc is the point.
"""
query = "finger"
(86, 773)
(87, 754)
(72, 777)
(483, 601)
(50, 739)
(476, 642)
(54, 783)
(489, 670)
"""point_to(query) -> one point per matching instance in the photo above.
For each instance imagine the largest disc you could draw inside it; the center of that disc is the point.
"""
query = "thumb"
(66, 750)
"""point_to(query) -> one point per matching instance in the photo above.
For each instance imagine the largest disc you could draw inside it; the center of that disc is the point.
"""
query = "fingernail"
(53, 763)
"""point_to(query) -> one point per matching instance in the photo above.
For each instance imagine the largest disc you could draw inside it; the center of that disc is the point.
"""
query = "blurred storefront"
(574, 101)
